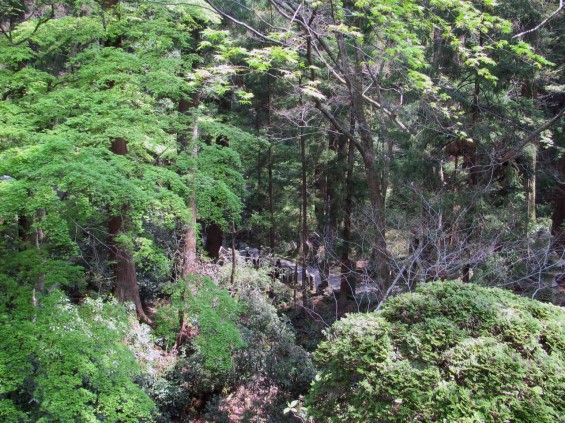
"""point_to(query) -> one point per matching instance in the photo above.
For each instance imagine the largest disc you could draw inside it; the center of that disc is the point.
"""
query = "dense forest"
(271, 211)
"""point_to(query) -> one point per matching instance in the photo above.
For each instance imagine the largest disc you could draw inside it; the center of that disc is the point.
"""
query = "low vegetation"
(447, 352)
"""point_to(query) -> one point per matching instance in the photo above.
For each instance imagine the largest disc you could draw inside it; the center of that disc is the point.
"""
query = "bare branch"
(243, 24)
(515, 152)
(339, 126)
(542, 23)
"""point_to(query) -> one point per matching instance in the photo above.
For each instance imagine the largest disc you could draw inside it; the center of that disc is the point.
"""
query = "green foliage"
(448, 352)
(220, 185)
(167, 324)
(70, 86)
(61, 362)
(258, 281)
(74, 76)
(233, 348)
(210, 317)
(212, 313)
(216, 318)
(270, 347)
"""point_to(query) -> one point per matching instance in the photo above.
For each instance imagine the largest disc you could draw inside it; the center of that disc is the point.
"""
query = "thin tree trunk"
(322, 211)
(259, 178)
(345, 288)
(39, 238)
(558, 217)
(271, 201)
(272, 229)
(529, 91)
(533, 39)
(295, 283)
(531, 188)
(470, 159)
(380, 255)
(188, 144)
(188, 243)
(233, 255)
(304, 223)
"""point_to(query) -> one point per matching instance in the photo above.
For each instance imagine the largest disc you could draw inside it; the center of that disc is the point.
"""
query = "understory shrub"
(449, 352)
(204, 358)
(61, 362)
(269, 370)
(211, 315)
(241, 359)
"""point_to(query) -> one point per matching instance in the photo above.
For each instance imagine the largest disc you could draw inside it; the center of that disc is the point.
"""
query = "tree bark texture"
(272, 227)
(126, 288)
(380, 255)
(345, 289)
(558, 217)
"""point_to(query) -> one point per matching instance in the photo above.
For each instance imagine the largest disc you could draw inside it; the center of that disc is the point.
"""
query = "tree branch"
(331, 118)
(542, 23)
(243, 24)
(515, 152)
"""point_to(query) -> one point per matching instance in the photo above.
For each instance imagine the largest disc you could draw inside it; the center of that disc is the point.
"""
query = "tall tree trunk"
(530, 186)
(377, 196)
(347, 275)
(558, 217)
(187, 144)
(331, 195)
(322, 211)
(272, 228)
(126, 288)
(529, 92)
(470, 159)
(304, 213)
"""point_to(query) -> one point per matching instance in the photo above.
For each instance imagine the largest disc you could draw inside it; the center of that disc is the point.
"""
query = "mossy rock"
(450, 352)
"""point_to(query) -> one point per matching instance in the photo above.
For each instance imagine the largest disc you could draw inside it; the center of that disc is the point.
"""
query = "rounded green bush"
(450, 352)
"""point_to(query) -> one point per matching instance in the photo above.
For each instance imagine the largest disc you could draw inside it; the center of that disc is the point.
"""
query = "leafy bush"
(270, 369)
(212, 313)
(241, 359)
(270, 348)
(205, 361)
(61, 362)
(259, 280)
(448, 352)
